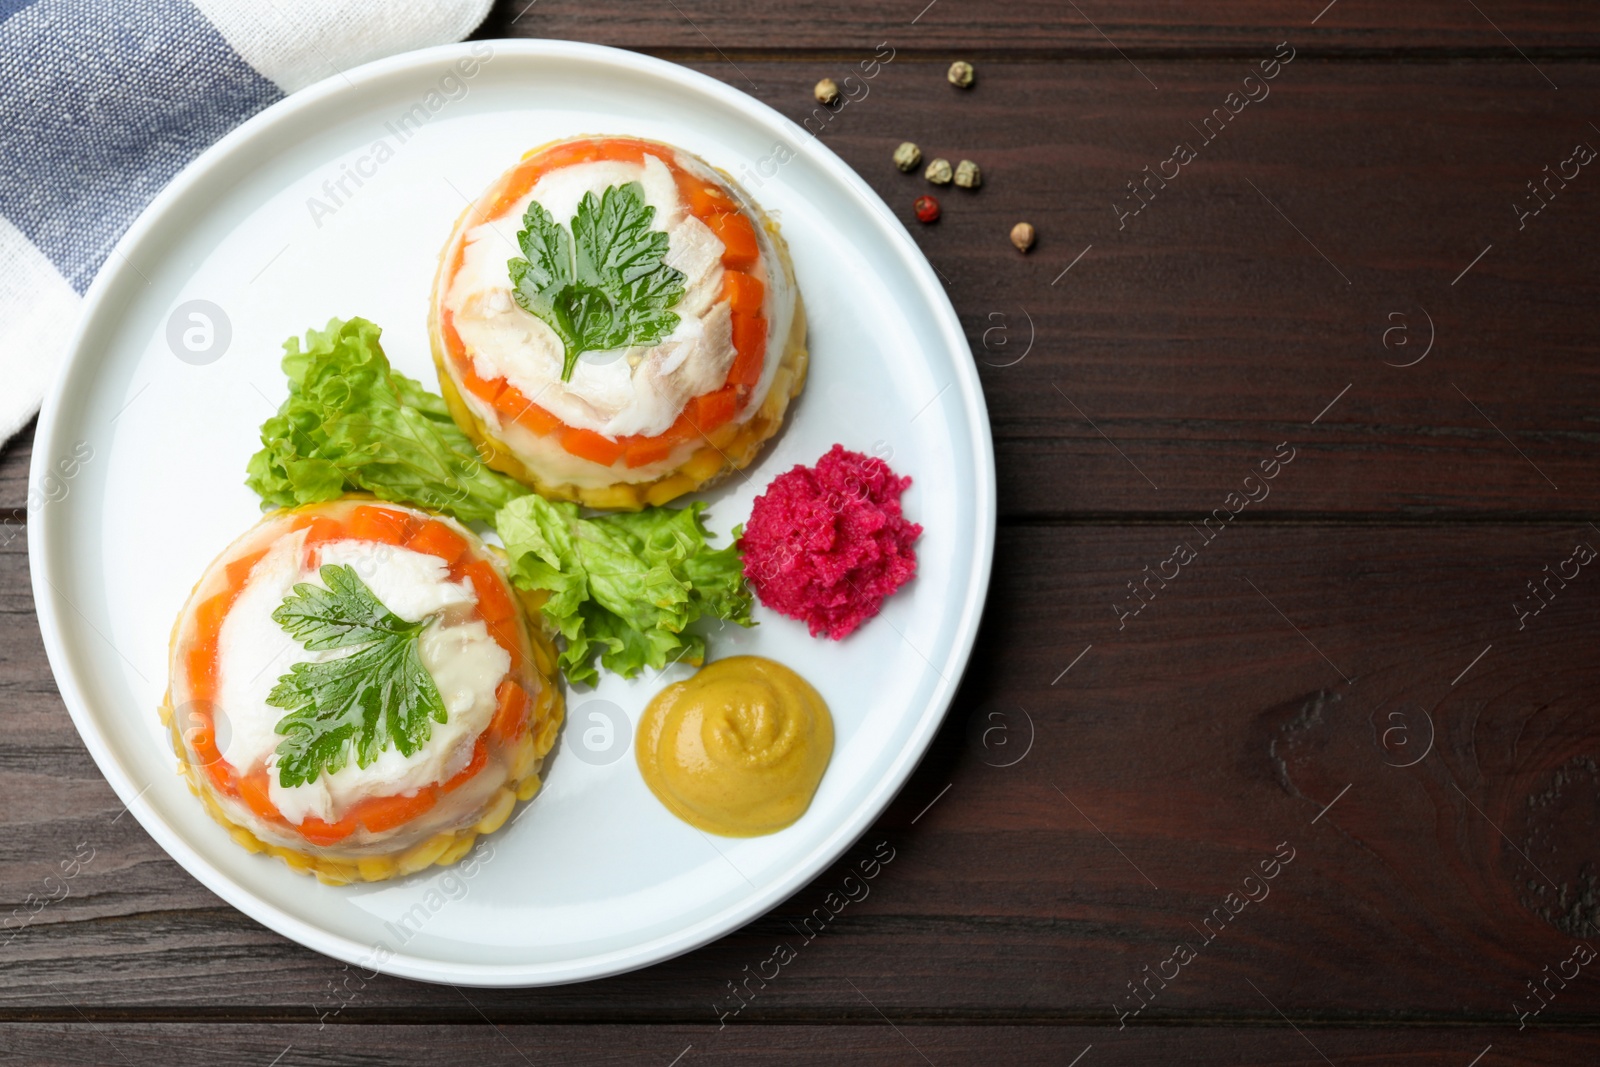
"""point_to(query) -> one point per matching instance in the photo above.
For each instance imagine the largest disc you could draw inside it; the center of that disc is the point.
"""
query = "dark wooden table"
(1347, 665)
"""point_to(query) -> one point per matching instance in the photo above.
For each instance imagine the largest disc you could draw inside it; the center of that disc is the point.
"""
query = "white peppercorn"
(907, 156)
(826, 92)
(967, 174)
(938, 172)
(960, 74)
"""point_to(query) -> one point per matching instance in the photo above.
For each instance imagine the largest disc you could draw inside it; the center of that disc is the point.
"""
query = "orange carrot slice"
(326, 833)
(385, 813)
(322, 529)
(238, 572)
(565, 155)
(203, 739)
(641, 450)
(703, 197)
(200, 664)
(511, 717)
(255, 791)
(220, 771)
(509, 637)
(740, 251)
(537, 420)
(514, 407)
(540, 163)
(648, 450)
(750, 342)
(594, 447)
(623, 149)
(745, 294)
(383, 525)
(434, 538)
(200, 669)
(711, 410)
(487, 389)
(480, 757)
(494, 603)
(209, 615)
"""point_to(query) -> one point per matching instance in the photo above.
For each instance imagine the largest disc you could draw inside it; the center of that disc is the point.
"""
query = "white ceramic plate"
(596, 877)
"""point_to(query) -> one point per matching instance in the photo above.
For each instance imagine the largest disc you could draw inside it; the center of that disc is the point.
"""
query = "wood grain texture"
(15, 455)
(877, 1045)
(872, 1045)
(1248, 294)
(1099, 29)
(1177, 754)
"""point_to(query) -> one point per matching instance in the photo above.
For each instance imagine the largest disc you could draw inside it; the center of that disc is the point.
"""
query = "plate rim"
(330, 942)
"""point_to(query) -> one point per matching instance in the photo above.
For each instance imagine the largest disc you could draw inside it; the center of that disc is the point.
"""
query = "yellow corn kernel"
(246, 840)
(298, 861)
(611, 496)
(376, 868)
(523, 758)
(781, 383)
(543, 656)
(669, 488)
(704, 464)
(527, 787)
(330, 873)
(499, 809)
(546, 739)
(462, 845)
(553, 492)
(425, 854)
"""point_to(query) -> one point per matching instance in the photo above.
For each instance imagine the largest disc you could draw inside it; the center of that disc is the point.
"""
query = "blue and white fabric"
(102, 102)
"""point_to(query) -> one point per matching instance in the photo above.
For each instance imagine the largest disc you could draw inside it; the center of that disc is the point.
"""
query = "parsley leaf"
(603, 285)
(379, 697)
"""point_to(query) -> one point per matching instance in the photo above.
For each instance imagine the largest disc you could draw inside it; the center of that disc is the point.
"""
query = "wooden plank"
(873, 1044)
(1169, 759)
(15, 455)
(1185, 345)
(1190, 339)
(1097, 29)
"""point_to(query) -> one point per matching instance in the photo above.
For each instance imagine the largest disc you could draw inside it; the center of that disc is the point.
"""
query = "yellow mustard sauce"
(738, 749)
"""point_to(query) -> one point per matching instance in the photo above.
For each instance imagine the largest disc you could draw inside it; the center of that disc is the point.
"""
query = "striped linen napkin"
(102, 102)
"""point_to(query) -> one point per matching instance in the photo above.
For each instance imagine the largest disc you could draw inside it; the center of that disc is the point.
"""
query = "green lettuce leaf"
(352, 423)
(623, 587)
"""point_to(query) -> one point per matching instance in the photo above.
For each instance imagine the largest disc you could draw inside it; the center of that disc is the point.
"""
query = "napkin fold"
(102, 102)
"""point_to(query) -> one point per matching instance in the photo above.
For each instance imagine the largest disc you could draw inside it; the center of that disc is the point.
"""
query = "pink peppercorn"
(927, 209)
